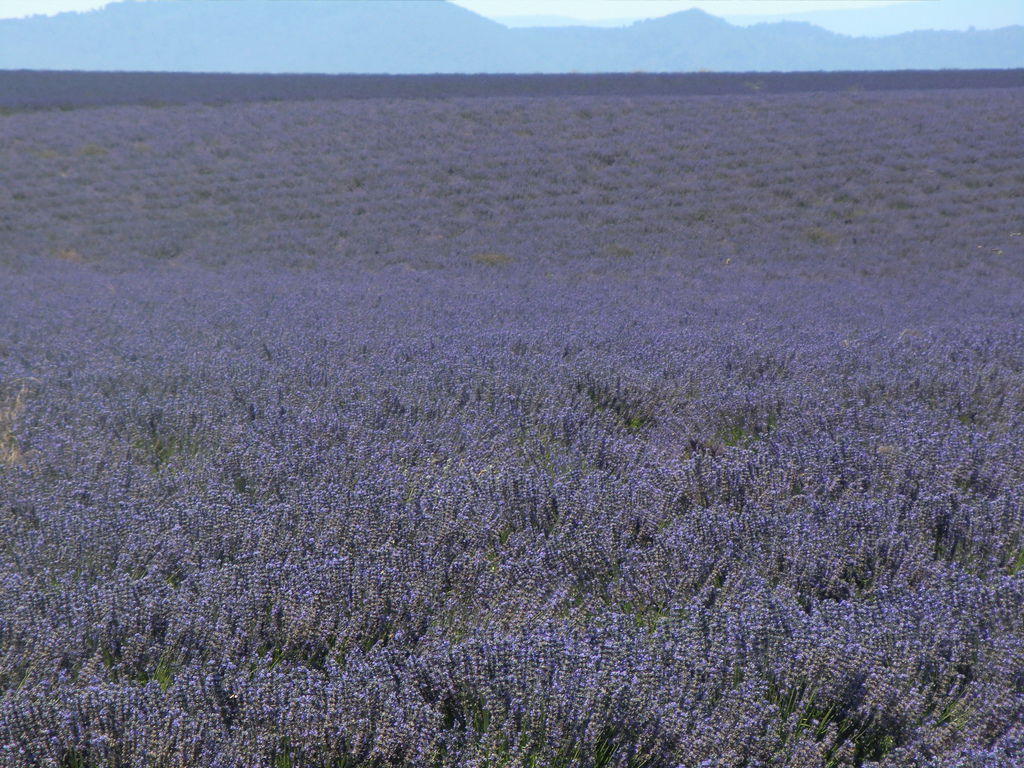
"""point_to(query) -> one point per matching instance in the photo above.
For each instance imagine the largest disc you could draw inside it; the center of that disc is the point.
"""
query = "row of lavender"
(578, 432)
(42, 89)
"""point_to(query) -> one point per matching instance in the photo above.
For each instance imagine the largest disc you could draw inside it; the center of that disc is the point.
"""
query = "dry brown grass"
(11, 406)
(92, 150)
(821, 236)
(69, 254)
(619, 251)
(493, 259)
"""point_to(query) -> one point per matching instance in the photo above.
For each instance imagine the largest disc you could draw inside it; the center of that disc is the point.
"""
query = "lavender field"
(591, 432)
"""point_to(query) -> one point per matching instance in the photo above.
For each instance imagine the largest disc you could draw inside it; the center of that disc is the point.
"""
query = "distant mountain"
(260, 36)
(905, 17)
(435, 36)
(541, 20)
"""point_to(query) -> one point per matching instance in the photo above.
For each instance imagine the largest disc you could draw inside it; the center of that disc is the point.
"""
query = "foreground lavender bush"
(511, 432)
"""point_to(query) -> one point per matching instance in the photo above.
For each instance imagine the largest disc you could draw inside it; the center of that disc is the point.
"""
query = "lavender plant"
(514, 432)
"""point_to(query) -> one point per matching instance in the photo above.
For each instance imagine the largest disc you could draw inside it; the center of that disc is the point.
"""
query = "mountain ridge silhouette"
(436, 36)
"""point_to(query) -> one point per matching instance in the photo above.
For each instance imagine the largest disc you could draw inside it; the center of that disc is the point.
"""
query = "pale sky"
(581, 9)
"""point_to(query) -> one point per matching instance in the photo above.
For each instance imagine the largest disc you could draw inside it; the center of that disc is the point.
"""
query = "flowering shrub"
(483, 433)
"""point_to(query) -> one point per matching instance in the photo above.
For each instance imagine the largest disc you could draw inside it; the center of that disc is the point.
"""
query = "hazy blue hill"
(694, 40)
(983, 49)
(684, 40)
(434, 36)
(906, 17)
(547, 20)
(255, 36)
